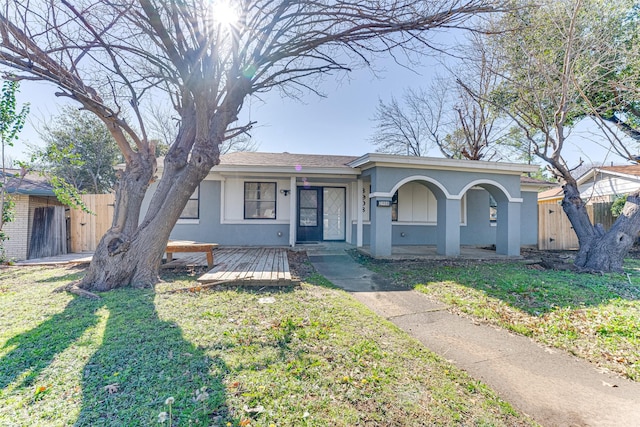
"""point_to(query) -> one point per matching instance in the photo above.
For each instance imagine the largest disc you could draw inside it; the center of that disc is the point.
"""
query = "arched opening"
(495, 206)
(421, 211)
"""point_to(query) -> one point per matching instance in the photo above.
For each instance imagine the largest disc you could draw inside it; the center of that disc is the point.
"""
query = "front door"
(309, 214)
(333, 213)
(321, 214)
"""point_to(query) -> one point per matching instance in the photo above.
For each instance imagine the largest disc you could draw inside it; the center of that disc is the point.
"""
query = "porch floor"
(246, 266)
(430, 252)
(250, 266)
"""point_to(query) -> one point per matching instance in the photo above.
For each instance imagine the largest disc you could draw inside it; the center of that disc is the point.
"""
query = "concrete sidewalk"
(553, 387)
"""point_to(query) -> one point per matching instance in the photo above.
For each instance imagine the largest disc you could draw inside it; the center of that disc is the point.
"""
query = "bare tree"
(116, 57)
(163, 128)
(414, 126)
(554, 69)
(448, 115)
(482, 132)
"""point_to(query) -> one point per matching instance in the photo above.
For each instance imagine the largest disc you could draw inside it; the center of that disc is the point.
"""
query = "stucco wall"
(234, 230)
(209, 228)
(478, 230)
(529, 219)
(384, 179)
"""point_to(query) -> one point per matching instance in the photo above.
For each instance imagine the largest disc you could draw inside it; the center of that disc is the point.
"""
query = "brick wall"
(18, 230)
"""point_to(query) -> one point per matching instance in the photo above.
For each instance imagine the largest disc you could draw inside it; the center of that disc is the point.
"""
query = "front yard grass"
(596, 317)
(304, 356)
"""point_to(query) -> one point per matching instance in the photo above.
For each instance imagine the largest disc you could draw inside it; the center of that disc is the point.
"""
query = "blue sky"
(340, 123)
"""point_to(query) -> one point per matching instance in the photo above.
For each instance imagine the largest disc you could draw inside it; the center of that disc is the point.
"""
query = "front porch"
(403, 252)
(431, 252)
(450, 205)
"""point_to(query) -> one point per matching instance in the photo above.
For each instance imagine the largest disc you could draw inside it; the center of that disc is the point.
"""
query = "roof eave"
(376, 159)
(285, 170)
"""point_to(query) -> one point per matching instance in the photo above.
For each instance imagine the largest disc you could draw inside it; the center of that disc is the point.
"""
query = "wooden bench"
(174, 246)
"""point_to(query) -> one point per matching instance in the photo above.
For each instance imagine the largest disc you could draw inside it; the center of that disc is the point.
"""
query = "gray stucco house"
(375, 200)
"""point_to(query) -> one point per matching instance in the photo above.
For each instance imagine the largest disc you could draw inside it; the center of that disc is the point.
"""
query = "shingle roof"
(250, 158)
(534, 181)
(552, 193)
(32, 184)
(628, 170)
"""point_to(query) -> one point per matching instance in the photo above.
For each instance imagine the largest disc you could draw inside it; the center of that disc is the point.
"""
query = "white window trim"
(190, 221)
(255, 221)
(244, 201)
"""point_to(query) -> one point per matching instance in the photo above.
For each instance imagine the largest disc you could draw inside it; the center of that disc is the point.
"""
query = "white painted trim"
(411, 179)
(223, 184)
(426, 224)
(284, 171)
(348, 200)
(324, 184)
(293, 214)
(378, 159)
(460, 197)
(189, 221)
(494, 183)
(629, 177)
(256, 221)
(409, 223)
(359, 219)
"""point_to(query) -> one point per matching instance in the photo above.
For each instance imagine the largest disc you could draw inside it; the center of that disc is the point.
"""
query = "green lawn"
(306, 356)
(596, 317)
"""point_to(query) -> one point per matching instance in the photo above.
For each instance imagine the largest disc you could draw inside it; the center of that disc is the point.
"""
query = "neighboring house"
(599, 187)
(606, 183)
(39, 225)
(375, 200)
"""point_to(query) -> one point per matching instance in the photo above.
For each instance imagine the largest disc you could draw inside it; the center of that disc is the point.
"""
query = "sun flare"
(223, 12)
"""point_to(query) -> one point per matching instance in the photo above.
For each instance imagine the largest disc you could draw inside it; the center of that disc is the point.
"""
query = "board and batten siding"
(416, 204)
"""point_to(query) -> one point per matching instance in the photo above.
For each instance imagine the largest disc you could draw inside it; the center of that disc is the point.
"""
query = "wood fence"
(555, 231)
(87, 229)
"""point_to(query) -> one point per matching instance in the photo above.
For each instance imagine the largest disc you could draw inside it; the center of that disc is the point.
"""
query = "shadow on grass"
(143, 360)
(70, 276)
(533, 291)
(34, 350)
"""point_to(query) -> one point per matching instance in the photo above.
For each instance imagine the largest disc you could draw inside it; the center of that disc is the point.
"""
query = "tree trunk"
(130, 253)
(599, 250)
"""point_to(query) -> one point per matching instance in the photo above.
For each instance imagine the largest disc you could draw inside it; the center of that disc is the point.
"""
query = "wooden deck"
(250, 266)
(245, 266)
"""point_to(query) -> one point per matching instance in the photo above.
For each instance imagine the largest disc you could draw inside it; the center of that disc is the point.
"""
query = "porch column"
(448, 228)
(360, 207)
(293, 214)
(380, 226)
(508, 228)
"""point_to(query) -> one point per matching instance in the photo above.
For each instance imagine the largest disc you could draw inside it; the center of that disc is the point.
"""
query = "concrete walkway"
(551, 386)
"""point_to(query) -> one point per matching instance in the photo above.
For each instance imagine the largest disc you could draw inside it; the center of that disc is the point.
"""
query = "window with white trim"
(260, 200)
(192, 208)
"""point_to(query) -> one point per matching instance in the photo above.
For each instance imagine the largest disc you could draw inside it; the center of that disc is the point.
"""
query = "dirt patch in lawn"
(299, 265)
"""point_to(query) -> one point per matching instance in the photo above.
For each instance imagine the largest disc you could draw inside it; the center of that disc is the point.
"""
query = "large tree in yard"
(561, 61)
(205, 57)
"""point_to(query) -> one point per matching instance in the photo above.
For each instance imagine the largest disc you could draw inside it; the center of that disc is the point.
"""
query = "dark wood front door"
(309, 214)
